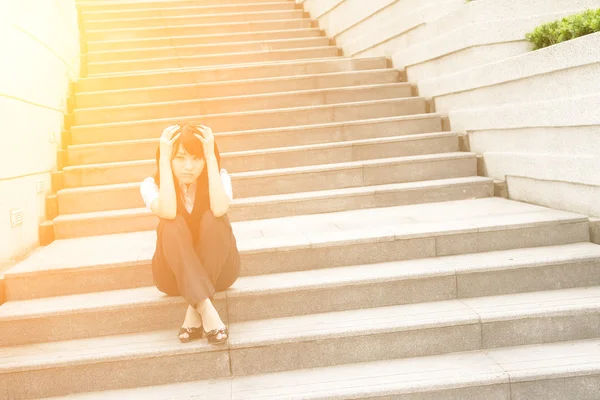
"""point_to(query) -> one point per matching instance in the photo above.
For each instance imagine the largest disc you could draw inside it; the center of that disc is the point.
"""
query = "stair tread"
(167, 18)
(205, 45)
(240, 82)
(133, 40)
(389, 377)
(263, 111)
(329, 325)
(304, 231)
(278, 150)
(312, 61)
(179, 57)
(313, 279)
(186, 7)
(207, 67)
(249, 96)
(269, 130)
(319, 168)
(90, 31)
(268, 199)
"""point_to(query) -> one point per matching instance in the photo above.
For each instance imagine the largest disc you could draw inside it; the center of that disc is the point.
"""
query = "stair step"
(307, 242)
(229, 73)
(114, 5)
(117, 45)
(117, 219)
(189, 15)
(207, 90)
(198, 29)
(233, 104)
(274, 158)
(308, 292)
(296, 180)
(311, 341)
(250, 57)
(179, 10)
(251, 120)
(564, 370)
(204, 49)
(184, 19)
(133, 150)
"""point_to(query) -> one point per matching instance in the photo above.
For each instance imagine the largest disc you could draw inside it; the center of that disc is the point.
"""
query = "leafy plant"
(568, 28)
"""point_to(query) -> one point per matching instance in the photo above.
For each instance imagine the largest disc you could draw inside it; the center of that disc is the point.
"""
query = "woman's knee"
(210, 222)
(167, 226)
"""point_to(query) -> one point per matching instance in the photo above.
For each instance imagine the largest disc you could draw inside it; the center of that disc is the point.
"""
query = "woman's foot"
(214, 328)
(191, 329)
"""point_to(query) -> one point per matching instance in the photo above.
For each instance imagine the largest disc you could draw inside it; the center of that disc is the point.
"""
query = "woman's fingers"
(200, 137)
(174, 138)
(170, 131)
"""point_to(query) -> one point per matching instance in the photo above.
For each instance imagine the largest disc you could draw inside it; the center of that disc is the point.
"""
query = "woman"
(196, 252)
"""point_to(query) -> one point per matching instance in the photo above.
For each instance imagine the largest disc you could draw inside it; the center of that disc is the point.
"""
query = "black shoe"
(193, 334)
(212, 335)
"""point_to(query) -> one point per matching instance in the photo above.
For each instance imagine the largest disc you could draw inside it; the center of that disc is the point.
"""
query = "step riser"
(259, 263)
(166, 52)
(206, 91)
(163, 315)
(104, 6)
(145, 150)
(70, 229)
(115, 375)
(211, 60)
(202, 40)
(192, 30)
(190, 19)
(393, 344)
(185, 10)
(233, 105)
(168, 314)
(388, 199)
(297, 183)
(308, 67)
(412, 343)
(255, 120)
(302, 157)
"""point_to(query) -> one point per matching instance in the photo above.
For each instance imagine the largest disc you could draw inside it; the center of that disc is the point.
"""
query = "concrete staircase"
(376, 263)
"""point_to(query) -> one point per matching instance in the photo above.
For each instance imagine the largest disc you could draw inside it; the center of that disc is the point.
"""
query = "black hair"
(190, 144)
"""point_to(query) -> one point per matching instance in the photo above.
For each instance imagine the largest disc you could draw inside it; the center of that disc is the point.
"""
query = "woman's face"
(186, 167)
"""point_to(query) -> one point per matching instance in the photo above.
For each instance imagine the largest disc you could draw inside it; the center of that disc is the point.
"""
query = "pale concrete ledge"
(318, 8)
(492, 10)
(559, 195)
(569, 57)
(550, 140)
(395, 27)
(473, 35)
(565, 112)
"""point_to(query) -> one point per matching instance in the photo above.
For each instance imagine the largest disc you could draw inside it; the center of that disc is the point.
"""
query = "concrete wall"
(532, 115)
(39, 52)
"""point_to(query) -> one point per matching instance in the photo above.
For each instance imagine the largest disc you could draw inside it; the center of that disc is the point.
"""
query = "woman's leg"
(217, 249)
(175, 252)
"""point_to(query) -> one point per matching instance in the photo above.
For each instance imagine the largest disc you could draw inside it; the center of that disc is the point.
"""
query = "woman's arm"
(219, 199)
(165, 206)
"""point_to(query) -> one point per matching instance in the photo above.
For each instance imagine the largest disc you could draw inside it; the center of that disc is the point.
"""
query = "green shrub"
(568, 28)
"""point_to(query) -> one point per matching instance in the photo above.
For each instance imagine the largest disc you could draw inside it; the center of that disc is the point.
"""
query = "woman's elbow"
(167, 214)
(219, 211)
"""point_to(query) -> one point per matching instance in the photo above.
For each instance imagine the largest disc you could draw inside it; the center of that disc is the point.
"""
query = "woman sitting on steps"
(196, 252)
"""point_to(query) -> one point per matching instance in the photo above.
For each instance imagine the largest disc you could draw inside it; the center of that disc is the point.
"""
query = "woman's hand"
(167, 139)
(208, 140)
